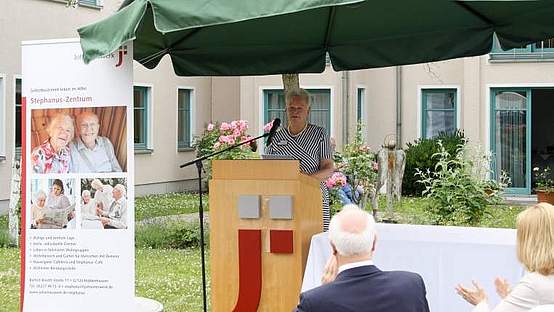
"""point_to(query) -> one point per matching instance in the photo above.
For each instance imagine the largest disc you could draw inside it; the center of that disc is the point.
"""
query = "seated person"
(352, 282)
(37, 209)
(535, 250)
(115, 216)
(53, 156)
(89, 151)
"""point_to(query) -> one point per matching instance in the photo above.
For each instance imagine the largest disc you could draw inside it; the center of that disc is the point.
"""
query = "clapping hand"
(502, 287)
(473, 296)
(331, 269)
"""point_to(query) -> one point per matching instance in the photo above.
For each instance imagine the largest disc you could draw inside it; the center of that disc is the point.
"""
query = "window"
(184, 118)
(535, 51)
(18, 112)
(438, 111)
(141, 98)
(320, 112)
(360, 106)
(95, 3)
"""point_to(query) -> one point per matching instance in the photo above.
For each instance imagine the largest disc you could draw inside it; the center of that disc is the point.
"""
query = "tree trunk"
(13, 215)
(290, 81)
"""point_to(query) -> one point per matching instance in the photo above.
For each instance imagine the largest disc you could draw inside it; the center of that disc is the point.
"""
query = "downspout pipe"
(345, 86)
(399, 106)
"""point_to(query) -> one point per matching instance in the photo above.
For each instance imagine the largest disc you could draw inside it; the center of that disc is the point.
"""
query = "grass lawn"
(167, 204)
(413, 210)
(170, 276)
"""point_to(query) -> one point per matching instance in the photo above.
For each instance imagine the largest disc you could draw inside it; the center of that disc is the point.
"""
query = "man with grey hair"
(352, 282)
(89, 151)
(115, 217)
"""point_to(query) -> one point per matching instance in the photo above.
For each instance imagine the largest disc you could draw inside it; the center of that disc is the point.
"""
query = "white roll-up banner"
(77, 249)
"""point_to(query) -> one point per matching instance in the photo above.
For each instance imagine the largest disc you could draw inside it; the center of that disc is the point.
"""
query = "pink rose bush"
(336, 180)
(217, 137)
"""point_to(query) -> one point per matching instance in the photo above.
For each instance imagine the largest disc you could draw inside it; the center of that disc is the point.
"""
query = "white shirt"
(99, 159)
(354, 265)
(532, 290)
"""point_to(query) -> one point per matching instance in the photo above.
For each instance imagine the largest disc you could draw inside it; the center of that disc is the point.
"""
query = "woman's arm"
(326, 169)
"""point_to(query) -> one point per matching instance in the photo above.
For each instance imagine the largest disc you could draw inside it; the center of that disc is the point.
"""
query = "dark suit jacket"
(367, 289)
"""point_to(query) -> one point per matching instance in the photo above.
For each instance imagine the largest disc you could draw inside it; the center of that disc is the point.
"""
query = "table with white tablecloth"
(443, 255)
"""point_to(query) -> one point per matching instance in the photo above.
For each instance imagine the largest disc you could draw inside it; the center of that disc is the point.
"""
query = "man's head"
(88, 125)
(297, 105)
(352, 234)
(118, 191)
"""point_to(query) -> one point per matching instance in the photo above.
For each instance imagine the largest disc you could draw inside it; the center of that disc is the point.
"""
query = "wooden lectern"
(275, 210)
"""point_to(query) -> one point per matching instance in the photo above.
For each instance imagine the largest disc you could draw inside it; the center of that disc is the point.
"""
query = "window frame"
(191, 123)
(145, 146)
(17, 150)
(360, 104)
(421, 116)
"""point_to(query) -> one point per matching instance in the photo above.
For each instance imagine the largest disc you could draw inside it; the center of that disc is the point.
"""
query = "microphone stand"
(200, 167)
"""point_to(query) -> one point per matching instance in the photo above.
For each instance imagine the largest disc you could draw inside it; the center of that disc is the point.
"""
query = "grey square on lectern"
(249, 206)
(280, 207)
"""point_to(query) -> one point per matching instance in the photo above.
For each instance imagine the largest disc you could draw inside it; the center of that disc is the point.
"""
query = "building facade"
(503, 101)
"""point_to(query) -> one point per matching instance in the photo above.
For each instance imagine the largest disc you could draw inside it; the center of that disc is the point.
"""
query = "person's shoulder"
(320, 292)
(103, 140)
(316, 129)
(403, 274)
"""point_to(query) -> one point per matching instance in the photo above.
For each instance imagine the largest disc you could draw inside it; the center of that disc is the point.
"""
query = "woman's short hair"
(40, 195)
(294, 92)
(85, 192)
(61, 118)
(535, 238)
(59, 183)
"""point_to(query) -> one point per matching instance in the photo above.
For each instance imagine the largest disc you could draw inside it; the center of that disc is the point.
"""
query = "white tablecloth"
(443, 256)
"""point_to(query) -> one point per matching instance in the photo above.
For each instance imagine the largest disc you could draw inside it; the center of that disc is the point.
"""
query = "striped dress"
(310, 147)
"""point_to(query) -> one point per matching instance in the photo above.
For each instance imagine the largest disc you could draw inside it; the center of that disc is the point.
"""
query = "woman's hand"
(502, 287)
(473, 296)
(331, 269)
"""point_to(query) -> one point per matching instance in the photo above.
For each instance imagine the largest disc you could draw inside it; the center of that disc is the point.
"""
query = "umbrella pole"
(199, 166)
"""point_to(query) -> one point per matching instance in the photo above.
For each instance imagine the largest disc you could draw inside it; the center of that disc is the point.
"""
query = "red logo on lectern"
(250, 264)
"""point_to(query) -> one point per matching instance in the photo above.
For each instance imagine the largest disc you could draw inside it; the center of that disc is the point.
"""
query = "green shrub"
(177, 235)
(459, 187)
(419, 156)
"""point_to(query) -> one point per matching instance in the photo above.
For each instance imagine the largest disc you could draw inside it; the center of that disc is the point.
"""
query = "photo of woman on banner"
(89, 151)
(58, 211)
(37, 209)
(53, 156)
(94, 141)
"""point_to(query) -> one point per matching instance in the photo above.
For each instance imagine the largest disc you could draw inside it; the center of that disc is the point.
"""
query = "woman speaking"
(306, 142)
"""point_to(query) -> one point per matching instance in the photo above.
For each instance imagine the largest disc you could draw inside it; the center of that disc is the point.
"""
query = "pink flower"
(236, 132)
(234, 124)
(217, 145)
(375, 166)
(268, 126)
(330, 183)
(210, 126)
(226, 139)
(225, 126)
(242, 125)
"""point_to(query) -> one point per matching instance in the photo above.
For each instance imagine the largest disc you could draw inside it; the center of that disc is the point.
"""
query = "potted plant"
(544, 185)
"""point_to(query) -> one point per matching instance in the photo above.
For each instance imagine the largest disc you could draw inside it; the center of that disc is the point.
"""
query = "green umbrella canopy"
(256, 37)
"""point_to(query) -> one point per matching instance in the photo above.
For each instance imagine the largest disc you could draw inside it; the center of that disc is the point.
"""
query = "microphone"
(274, 127)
